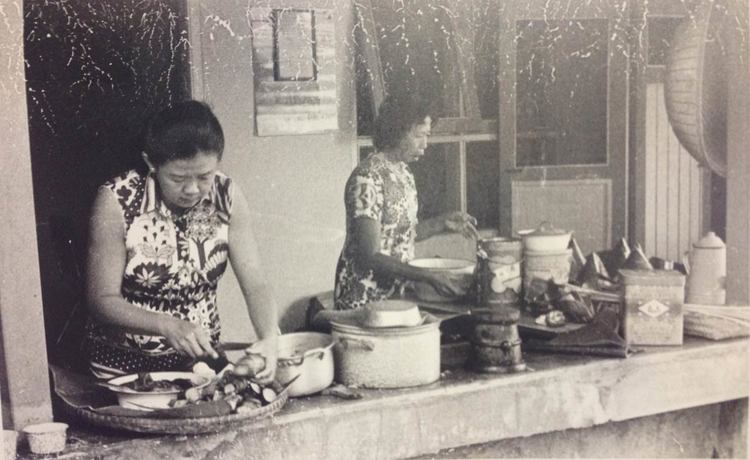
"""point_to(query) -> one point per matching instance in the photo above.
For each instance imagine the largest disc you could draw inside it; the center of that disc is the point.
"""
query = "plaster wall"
(23, 373)
(294, 184)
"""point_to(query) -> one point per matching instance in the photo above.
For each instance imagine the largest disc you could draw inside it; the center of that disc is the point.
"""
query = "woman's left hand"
(461, 222)
(268, 348)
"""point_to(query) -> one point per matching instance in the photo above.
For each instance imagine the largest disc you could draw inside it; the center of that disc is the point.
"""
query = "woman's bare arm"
(259, 298)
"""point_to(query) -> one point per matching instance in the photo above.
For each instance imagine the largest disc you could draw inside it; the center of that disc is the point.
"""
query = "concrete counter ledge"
(561, 392)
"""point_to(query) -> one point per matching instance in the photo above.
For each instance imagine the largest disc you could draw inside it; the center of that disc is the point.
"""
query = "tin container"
(499, 271)
(652, 306)
(707, 264)
(546, 266)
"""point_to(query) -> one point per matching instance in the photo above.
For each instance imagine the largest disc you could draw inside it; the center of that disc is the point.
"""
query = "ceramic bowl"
(424, 291)
(545, 239)
(155, 399)
(46, 438)
(391, 313)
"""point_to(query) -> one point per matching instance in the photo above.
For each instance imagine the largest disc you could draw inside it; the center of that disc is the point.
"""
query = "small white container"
(46, 438)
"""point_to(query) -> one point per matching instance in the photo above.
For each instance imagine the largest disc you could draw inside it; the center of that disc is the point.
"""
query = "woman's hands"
(461, 222)
(187, 338)
(454, 221)
(268, 348)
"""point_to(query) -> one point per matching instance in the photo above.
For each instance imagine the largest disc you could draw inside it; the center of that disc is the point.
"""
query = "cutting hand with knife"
(160, 241)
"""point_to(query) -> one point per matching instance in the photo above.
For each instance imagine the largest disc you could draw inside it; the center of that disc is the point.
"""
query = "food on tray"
(637, 260)
(554, 318)
(146, 383)
(250, 365)
(226, 394)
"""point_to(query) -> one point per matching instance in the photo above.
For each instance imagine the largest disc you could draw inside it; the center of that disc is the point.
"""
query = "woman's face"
(184, 182)
(412, 146)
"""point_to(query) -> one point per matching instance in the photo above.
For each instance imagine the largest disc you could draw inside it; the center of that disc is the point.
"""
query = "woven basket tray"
(178, 426)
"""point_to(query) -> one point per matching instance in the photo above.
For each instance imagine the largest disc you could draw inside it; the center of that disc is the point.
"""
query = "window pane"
(417, 51)
(482, 184)
(436, 175)
(486, 30)
(561, 109)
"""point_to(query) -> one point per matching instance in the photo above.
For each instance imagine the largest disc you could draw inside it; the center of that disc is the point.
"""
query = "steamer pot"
(309, 355)
(387, 357)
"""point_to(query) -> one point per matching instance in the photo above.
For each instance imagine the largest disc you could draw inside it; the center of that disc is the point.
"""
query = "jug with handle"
(707, 270)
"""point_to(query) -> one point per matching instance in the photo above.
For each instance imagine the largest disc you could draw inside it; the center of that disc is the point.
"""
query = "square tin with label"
(652, 306)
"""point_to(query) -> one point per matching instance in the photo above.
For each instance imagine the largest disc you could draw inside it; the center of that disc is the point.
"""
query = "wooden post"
(738, 153)
(23, 355)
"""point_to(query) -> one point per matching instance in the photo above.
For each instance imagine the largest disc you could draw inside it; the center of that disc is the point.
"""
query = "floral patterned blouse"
(384, 191)
(173, 266)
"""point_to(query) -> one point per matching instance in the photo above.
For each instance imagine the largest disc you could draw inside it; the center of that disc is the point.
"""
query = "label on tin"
(506, 277)
(653, 308)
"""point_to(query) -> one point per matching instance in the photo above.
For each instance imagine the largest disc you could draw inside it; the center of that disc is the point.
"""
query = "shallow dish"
(156, 398)
(425, 291)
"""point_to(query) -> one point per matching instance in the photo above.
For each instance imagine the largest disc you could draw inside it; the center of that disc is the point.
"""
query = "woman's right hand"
(187, 338)
(448, 285)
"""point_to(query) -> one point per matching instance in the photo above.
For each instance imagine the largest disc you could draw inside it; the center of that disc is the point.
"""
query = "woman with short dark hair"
(159, 244)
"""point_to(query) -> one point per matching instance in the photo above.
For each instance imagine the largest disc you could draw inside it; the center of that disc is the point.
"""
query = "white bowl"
(46, 438)
(156, 399)
(391, 313)
(536, 242)
(425, 291)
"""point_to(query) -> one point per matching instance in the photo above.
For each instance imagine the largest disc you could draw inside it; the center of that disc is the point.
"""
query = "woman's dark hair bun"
(181, 131)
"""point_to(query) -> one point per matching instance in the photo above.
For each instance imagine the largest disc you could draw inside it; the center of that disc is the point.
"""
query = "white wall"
(294, 184)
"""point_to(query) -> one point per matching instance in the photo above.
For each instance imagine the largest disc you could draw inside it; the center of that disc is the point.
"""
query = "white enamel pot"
(309, 355)
(391, 357)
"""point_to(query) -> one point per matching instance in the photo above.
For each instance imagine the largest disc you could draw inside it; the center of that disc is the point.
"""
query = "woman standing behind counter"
(160, 242)
(381, 216)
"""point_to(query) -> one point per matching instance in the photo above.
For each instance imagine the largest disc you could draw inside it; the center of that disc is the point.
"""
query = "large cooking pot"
(390, 357)
(307, 354)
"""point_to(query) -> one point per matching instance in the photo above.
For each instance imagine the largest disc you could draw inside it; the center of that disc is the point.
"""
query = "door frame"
(616, 168)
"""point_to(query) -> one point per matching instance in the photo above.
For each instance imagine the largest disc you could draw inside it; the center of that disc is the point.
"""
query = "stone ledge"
(465, 408)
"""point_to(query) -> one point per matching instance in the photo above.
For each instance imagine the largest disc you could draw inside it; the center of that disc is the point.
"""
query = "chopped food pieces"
(146, 383)
(554, 318)
(226, 394)
(250, 365)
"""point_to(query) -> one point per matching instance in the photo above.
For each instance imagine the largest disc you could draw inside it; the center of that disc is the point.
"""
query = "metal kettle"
(707, 269)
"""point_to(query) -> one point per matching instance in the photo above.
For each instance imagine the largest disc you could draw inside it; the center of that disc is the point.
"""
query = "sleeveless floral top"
(173, 266)
(384, 191)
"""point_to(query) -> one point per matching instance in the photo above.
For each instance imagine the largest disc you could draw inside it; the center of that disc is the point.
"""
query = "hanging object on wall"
(294, 70)
(696, 87)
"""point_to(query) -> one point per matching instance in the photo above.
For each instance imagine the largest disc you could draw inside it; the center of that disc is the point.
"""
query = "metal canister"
(496, 344)
(499, 271)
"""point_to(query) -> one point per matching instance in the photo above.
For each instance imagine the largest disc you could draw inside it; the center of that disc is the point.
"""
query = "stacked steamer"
(546, 255)
(496, 344)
